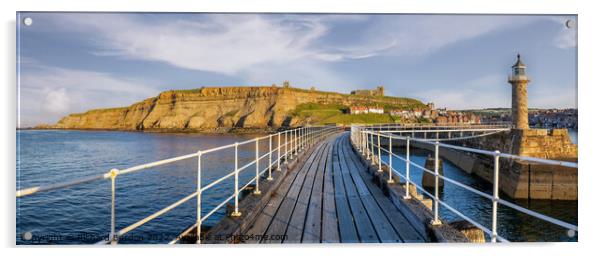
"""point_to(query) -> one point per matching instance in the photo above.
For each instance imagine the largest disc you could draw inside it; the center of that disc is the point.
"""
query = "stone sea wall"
(520, 179)
(523, 179)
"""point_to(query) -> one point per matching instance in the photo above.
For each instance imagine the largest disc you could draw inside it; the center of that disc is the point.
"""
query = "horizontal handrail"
(44, 188)
(442, 177)
(364, 141)
(481, 151)
(450, 130)
(294, 140)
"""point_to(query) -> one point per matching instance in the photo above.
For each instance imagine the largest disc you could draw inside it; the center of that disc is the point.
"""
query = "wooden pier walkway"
(329, 197)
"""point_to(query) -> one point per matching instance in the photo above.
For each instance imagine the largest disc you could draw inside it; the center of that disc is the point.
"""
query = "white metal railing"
(414, 126)
(366, 138)
(289, 143)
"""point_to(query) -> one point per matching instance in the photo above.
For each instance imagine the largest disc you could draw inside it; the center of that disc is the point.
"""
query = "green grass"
(335, 113)
(318, 112)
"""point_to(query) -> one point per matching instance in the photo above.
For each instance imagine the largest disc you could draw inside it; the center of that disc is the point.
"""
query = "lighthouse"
(519, 80)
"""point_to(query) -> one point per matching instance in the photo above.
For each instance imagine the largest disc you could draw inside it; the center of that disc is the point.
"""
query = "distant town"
(538, 118)
(431, 115)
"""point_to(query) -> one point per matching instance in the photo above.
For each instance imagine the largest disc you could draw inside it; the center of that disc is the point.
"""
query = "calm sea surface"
(81, 214)
(512, 225)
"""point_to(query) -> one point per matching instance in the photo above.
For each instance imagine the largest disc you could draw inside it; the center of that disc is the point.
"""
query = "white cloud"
(56, 101)
(261, 49)
(565, 37)
(225, 44)
(482, 92)
(492, 90)
(49, 93)
(250, 45)
(553, 97)
(425, 34)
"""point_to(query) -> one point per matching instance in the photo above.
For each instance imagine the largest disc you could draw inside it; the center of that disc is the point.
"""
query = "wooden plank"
(347, 229)
(330, 231)
(294, 231)
(364, 226)
(398, 221)
(385, 231)
(313, 222)
(279, 223)
(263, 220)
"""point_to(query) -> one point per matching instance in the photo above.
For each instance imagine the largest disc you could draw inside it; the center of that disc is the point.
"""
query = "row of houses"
(418, 113)
(354, 110)
(436, 115)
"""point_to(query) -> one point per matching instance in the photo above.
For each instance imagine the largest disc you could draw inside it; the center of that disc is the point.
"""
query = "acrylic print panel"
(155, 128)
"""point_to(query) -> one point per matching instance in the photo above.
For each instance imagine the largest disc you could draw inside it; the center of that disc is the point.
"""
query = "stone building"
(431, 106)
(379, 91)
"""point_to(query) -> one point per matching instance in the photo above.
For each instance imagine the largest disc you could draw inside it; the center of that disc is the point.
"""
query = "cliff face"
(217, 108)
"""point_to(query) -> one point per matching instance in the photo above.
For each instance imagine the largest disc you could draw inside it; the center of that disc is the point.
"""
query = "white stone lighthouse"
(519, 80)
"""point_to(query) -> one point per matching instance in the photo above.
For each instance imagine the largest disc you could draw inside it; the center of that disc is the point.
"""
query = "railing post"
(436, 221)
(368, 146)
(300, 143)
(198, 199)
(380, 167)
(361, 141)
(257, 191)
(292, 143)
(390, 159)
(358, 139)
(286, 147)
(236, 213)
(365, 142)
(300, 140)
(307, 137)
(279, 156)
(296, 141)
(312, 134)
(270, 160)
(303, 137)
(113, 238)
(372, 151)
(496, 177)
(407, 196)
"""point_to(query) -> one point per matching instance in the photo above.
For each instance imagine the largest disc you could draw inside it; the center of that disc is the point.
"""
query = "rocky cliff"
(219, 109)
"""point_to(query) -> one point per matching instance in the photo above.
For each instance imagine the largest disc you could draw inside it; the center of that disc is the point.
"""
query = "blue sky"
(72, 62)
